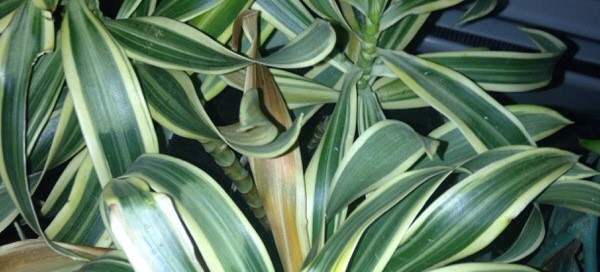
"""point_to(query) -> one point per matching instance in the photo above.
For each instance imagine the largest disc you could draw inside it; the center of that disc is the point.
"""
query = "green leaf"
(477, 209)
(174, 45)
(127, 8)
(484, 122)
(49, 5)
(336, 253)
(369, 110)
(217, 22)
(506, 71)
(223, 235)
(145, 8)
(479, 9)
(364, 167)
(290, 17)
(382, 237)
(335, 143)
(60, 192)
(146, 224)
(399, 35)
(398, 10)
(46, 83)
(293, 87)
(108, 100)
(114, 261)
(529, 239)
(392, 93)
(79, 220)
(579, 195)
(184, 10)
(30, 33)
(592, 145)
(483, 267)
(8, 6)
(539, 122)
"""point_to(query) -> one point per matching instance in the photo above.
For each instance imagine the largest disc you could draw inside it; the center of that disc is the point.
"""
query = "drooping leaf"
(475, 211)
(34, 255)
(479, 9)
(335, 143)
(223, 235)
(30, 33)
(385, 150)
(146, 224)
(398, 10)
(335, 255)
(62, 188)
(579, 195)
(184, 10)
(529, 239)
(484, 122)
(507, 71)
(174, 45)
(108, 100)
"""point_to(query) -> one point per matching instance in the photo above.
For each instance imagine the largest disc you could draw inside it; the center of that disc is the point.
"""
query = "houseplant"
(162, 213)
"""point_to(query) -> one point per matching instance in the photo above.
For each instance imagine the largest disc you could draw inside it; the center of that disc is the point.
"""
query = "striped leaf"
(46, 83)
(485, 267)
(115, 122)
(479, 9)
(49, 5)
(579, 195)
(383, 151)
(145, 8)
(369, 110)
(506, 71)
(539, 122)
(398, 10)
(290, 17)
(579, 171)
(4, 21)
(171, 44)
(399, 35)
(114, 261)
(335, 143)
(392, 93)
(223, 235)
(184, 10)
(8, 6)
(218, 21)
(29, 34)
(127, 8)
(293, 87)
(529, 239)
(382, 237)
(62, 188)
(476, 210)
(146, 224)
(79, 220)
(174, 104)
(34, 256)
(336, 253)
(327, 9)
(484, 122)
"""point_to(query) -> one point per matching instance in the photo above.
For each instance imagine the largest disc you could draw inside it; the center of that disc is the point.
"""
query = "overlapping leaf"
(479, 9)
(473, 212)
(397, 10)
(579, 195)
(223, 235)
(484, 122)
(529, 239)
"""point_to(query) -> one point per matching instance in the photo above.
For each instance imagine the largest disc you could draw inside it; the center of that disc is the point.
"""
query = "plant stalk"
(226, 159)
